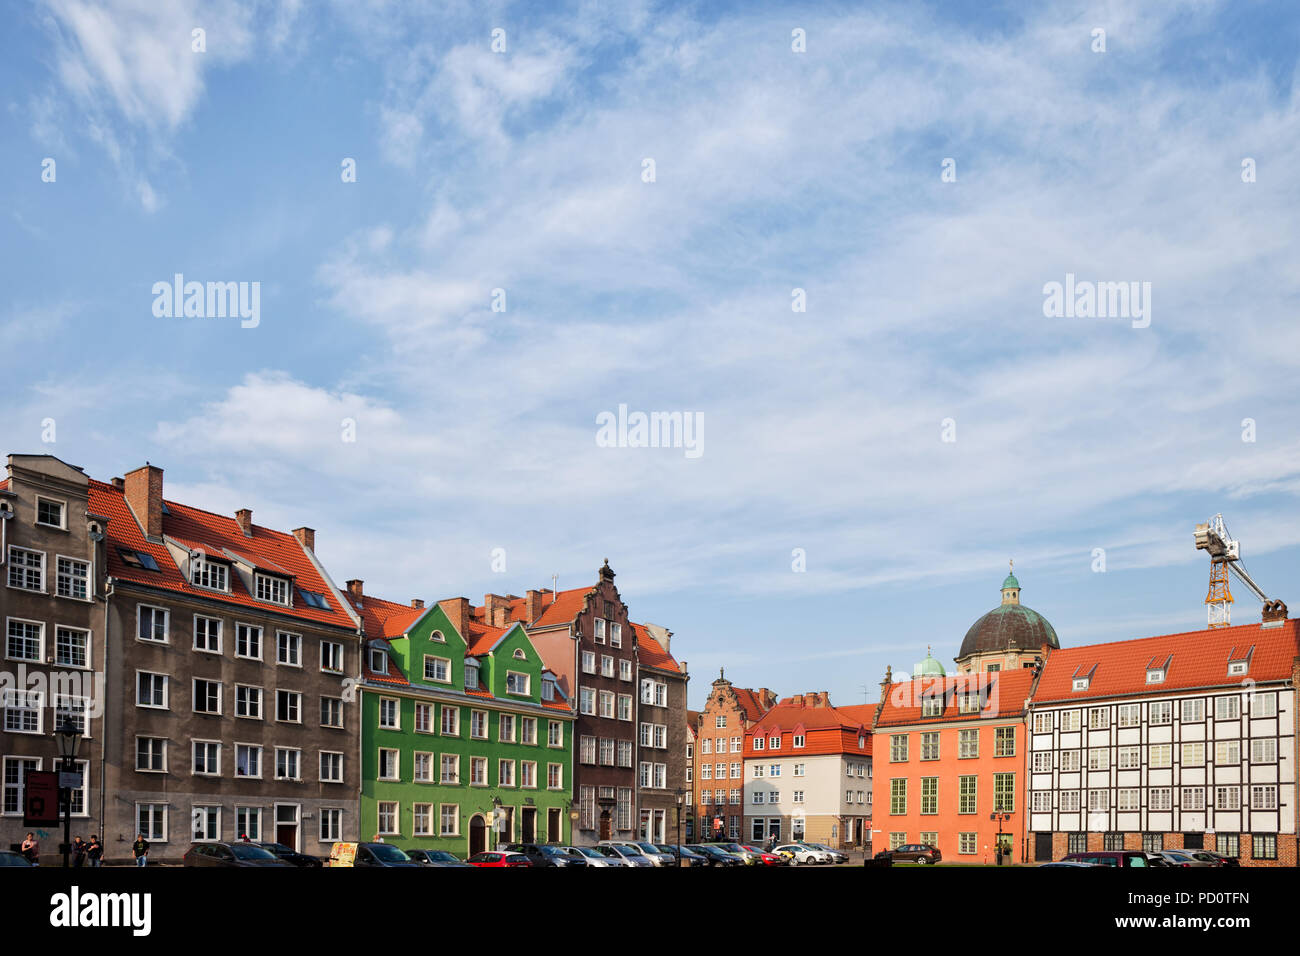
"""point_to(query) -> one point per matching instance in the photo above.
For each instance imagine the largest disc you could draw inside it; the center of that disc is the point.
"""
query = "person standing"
(95, 852)
(79, 852)
(31, 850)
(141, 850)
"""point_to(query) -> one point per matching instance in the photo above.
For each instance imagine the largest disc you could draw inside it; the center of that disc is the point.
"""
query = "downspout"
(103, 723)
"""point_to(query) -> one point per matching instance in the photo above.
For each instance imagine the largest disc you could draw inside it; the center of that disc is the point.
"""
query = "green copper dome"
(930, 667)
(1010, 582)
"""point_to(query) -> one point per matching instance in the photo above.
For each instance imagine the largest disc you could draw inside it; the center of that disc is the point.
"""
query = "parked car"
(290, 855)
(835, 855)
(230, 854)
(627, 851)
(764, 857)
(546, 854)
(800, 854)
(435, 858)
(1205, 856)
(1068, 864)
(1227, 860)
(655, 855)
(498, 858)
(9, 858)
(921, 853)
(750, 856)
(1183, 858)
(715, 855)
(1119, 858)
(689, 856)
(381, 854)
(601, 856)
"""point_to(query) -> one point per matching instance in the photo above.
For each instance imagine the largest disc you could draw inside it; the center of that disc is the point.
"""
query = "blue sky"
(774, 170)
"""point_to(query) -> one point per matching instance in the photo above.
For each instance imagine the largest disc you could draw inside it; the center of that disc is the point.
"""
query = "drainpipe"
(103, 724)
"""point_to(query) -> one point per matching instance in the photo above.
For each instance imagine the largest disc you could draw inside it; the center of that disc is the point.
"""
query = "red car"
(498, 858)
(768, 859)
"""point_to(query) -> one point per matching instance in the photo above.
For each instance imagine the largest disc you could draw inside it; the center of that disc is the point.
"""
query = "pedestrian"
(79, 847)
(141, 850)
(31, 849)
(243, 838)
(95, 852)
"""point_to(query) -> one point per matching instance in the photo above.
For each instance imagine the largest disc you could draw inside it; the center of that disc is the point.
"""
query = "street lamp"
(69, 738)
(681, 799)
(1000, 816)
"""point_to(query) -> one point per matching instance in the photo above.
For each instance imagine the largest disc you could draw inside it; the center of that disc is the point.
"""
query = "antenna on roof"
(555, 586)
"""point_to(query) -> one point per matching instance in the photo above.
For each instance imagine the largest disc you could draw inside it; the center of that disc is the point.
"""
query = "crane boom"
(1225, 555)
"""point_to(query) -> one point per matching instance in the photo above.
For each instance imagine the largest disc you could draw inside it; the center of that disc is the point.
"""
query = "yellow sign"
(343, 854)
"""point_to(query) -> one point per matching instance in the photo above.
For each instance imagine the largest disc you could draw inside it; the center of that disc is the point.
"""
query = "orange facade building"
(949, 755)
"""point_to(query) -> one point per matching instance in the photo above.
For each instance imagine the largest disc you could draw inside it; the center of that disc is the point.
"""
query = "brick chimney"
(244, 518)
(823, 699)
(417, 603)
(119, 484)
(495, 608)
(355, 591)
(534, 602)
(766, 698)
(144, 493)
(797, 701)
(306, 537)
(1274, 612)
(457, 611)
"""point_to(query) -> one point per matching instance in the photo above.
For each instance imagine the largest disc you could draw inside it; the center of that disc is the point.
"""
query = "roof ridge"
(1206, 631)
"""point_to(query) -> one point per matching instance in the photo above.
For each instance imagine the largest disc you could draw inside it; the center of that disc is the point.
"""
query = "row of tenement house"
(226, 687)
(1180, 741)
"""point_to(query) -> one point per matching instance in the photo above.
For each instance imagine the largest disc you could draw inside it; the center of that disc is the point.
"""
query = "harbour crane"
(1225, 554)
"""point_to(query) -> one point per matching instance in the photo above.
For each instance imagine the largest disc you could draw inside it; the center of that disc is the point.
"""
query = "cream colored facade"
(811, 798)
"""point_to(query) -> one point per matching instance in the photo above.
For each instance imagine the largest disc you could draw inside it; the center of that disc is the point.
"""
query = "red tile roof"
(387, 618)
(214, 534)
(1006, 692)
(394, 675)
(826, 730)
(651, 653)
(1196, 659)
(481, 638)
(749, 703)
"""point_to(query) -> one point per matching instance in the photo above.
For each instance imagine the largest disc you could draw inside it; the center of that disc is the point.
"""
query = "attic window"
(1237, 668)
(471, 674)
(378, 661)
(209, 574)
(1155, 675)
(138, 559)
(273, 589)
(1081, 683)
(931, 706)
(520, 655)
(759, 741)
(437, 637)
(548, 688)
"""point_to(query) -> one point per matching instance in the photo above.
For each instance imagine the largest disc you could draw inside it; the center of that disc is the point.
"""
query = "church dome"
(930, 667)
(1011, 626)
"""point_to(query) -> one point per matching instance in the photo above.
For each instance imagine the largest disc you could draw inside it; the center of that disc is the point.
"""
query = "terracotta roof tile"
(748, 702)
(387, 618)
(1196, 659)
(826, 730)
(1005, 693)
(213, 533)
(651, 653)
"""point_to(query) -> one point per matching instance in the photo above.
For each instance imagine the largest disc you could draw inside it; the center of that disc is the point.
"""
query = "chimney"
(306, 537)
(244, 518)
(1274, 612)
(824, 699)
(355, 590)
(533, 605)
(766, 698)
(495, 608)
(144, 493)
(417, 603)
(884, 694)
(457, 611)
(119, 484)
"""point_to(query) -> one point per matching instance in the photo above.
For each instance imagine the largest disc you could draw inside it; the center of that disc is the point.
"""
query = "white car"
(800, 853)
(595, 857)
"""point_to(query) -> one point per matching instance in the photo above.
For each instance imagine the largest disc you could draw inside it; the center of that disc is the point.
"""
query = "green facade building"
(465, 738)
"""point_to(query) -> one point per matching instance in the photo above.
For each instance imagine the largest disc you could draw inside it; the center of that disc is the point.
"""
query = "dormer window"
(471, 674)
(759, 741)
(1081, 683)
(1238, 668)
(931, 707)
(1155, 675)
(273, 589)
(378, 661)
(548, 688)
(209, 574)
